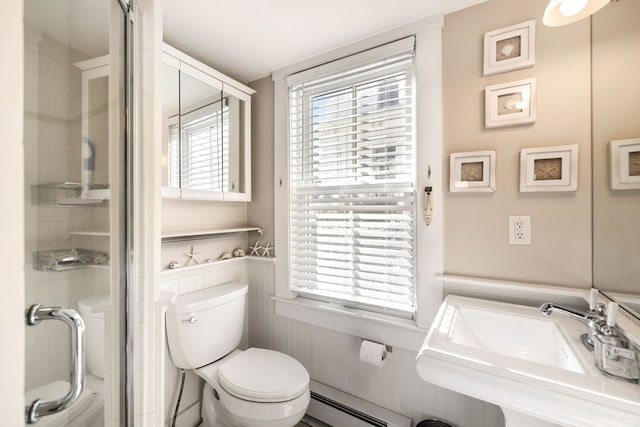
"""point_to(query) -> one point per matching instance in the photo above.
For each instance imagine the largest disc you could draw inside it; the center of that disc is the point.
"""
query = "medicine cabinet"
(206, 122)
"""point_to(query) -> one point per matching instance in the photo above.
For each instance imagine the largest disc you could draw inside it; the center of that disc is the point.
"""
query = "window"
(352, 186)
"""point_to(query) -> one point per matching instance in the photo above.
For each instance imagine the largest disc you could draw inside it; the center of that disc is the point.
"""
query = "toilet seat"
(264, 376)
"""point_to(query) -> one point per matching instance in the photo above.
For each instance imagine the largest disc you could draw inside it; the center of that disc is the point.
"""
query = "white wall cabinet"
(206, 122)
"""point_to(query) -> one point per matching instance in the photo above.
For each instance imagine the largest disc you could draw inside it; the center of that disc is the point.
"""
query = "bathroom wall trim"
(508, 288)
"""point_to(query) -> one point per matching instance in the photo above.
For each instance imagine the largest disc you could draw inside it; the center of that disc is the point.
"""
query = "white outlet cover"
(519, 230)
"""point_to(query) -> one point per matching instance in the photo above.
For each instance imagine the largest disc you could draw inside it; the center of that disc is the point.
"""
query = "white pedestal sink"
(533, 366)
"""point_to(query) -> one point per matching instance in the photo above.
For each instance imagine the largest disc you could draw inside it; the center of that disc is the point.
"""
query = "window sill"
(372, 326)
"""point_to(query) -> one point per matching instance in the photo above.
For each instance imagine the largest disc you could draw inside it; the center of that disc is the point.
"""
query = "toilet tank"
(206, 325)
(92, 312)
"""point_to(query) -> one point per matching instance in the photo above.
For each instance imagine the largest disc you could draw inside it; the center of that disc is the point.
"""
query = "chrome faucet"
(614, 354)
(593, 320)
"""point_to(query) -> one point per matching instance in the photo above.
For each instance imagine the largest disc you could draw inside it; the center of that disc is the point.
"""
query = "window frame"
(428, 71)
(352, 85)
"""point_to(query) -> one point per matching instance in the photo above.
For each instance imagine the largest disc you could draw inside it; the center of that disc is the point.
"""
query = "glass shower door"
(75, 78)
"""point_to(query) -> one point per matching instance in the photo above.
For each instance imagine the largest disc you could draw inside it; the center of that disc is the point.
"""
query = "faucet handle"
(594, 306)
(612, 314)
(593, 299)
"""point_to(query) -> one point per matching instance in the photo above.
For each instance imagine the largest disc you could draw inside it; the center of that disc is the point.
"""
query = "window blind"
(352, 194)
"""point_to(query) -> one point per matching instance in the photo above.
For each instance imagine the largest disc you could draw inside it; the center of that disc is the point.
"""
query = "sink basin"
(533, 366)
(534, 339)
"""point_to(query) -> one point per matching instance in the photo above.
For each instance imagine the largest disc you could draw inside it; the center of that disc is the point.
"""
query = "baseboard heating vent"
(340, 409)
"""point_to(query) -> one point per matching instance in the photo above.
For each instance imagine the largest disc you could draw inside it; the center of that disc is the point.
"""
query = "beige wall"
(260, 210)
(616, 103)
(476, 226)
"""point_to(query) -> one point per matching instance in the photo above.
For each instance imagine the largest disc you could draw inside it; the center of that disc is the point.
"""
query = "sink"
(524, 337)
(533, 366)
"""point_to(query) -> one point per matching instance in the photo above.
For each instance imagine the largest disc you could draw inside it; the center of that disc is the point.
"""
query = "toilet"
(252, 388)
(88, 408)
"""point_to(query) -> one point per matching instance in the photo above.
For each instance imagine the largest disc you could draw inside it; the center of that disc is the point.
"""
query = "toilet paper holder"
(388, 348)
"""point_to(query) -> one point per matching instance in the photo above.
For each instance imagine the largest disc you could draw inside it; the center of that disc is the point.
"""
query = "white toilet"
(251, 388)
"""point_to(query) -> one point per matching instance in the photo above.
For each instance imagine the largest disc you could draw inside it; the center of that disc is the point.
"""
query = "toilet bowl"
(239, 391)
(252, 388)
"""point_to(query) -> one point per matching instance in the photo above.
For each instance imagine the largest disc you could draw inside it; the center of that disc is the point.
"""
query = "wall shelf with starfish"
(183, 236)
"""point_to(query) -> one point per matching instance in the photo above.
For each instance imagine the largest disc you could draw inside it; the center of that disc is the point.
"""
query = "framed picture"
(624, 160)
(549, 169)
(510, 48)
(473, 171)
(509, 104)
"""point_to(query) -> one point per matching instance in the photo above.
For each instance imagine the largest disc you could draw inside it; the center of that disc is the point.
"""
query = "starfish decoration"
(547, 171)
(192, 256)
(255, 249)
(266, 250)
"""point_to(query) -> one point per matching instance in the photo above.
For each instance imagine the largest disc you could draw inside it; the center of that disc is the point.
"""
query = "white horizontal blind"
(352, 195)
(204, 154)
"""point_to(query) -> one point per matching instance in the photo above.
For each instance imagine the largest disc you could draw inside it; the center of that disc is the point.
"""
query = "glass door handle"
(34, 315)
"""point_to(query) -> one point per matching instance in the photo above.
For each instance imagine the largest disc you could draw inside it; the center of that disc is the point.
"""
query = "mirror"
(615, 45)
(170, 120)
(202, 140)
(206, 133)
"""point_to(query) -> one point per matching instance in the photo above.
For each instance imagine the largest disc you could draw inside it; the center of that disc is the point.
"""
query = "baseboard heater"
(339, 409)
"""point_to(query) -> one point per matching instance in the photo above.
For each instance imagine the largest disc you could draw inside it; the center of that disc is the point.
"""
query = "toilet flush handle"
(191, 320)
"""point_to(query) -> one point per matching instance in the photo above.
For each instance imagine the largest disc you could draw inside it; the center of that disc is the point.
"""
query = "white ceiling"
(248, 39)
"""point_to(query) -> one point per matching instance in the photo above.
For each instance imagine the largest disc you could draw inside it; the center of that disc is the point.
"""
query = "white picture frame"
(510, 48)
(624, 159)
(510, 104)
(473, 171)
(549, 168)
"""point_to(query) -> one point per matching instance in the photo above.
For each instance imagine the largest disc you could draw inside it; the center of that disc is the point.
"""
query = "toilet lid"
(261, 375)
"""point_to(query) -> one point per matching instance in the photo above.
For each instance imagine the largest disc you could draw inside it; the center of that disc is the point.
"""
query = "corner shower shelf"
(68, 259)
(182, 236)
(69, 194)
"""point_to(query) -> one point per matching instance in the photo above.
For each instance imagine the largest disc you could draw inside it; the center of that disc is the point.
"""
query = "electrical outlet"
(519, 230)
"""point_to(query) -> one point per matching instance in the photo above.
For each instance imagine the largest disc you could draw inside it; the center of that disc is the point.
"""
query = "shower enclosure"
(76, 132)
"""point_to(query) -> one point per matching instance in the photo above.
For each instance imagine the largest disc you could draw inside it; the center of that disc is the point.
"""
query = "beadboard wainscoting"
(332, 358)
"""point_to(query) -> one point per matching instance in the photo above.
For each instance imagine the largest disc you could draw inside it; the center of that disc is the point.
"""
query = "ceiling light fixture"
(564, 12)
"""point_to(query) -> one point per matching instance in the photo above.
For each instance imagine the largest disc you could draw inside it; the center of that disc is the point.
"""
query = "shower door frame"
(126, 238)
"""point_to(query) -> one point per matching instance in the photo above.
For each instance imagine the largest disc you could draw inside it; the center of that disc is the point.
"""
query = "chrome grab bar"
(35, 314)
